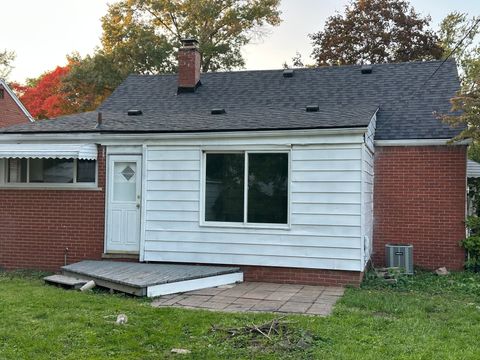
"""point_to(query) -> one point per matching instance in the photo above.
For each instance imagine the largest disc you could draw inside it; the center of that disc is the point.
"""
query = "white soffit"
(49, 151)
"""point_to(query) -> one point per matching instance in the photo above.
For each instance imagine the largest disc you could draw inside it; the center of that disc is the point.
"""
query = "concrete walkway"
(258, 297)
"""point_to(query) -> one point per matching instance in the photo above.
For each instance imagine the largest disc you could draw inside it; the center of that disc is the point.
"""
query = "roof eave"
(152, 135)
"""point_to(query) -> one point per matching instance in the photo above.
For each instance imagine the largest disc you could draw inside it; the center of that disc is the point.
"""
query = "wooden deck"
(152, 279)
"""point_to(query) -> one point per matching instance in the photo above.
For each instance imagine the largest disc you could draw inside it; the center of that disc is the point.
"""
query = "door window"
(124, 181)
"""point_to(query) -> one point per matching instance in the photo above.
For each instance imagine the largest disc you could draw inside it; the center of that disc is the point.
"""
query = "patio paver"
(258, 297)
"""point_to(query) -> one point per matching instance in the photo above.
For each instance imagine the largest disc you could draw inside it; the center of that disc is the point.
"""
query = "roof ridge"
(305, 68)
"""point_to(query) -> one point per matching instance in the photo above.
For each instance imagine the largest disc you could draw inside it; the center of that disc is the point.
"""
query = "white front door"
(123, 203)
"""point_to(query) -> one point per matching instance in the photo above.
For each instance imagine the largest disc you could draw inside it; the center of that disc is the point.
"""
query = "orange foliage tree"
(44, 97)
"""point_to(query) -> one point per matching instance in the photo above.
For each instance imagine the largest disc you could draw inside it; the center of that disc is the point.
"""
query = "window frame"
(4, 183)
(245, 224)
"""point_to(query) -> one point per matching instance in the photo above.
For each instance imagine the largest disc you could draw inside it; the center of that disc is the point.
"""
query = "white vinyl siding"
(325, 209)
(367, 189)
(367, 210)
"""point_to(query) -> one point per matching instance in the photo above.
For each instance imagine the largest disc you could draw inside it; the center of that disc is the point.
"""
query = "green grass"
(422, 317)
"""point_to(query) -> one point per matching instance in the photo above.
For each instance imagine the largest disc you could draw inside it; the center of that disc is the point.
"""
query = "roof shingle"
(265, 100)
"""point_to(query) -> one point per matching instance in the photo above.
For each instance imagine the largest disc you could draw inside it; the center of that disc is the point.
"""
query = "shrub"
(472, 244)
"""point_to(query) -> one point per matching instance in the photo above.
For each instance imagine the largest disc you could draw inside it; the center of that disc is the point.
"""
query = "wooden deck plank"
(140, 275)
(72, 282)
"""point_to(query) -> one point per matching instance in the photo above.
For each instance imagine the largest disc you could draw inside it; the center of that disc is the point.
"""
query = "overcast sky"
(43, 32)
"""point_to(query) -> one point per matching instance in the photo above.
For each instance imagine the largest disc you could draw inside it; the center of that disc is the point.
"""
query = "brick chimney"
(188, 66)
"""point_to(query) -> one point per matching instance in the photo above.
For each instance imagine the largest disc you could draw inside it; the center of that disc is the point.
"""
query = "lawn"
(424, 317)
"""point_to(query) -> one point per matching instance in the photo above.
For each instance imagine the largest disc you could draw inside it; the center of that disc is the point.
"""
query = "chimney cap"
(189, 42)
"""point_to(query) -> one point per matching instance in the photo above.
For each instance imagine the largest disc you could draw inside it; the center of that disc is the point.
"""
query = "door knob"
(138, 206)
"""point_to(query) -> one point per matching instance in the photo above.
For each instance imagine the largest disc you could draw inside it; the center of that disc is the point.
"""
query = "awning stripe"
(49, 151)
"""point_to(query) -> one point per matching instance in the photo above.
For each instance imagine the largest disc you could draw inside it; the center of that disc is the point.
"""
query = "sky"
(43, 32)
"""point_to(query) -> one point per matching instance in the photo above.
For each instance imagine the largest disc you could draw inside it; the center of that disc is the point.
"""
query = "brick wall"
(37, 225)
(10, 113)
(301, 276)
(419, 199)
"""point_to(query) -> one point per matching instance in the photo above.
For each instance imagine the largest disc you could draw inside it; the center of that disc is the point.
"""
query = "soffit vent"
(218, 111)
(366, 69)
(288, 73)
(312, 108)
(134, 112)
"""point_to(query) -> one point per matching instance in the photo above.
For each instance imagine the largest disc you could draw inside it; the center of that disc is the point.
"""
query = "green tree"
(91, 79)
(132, 45)
(466, 112)
(375, 31)
(143, 37)
(458, 35)
(6, 59)
(222, 27)
(297, 62)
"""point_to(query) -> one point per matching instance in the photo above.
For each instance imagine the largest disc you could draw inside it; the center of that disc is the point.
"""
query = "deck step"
(153, 279)
(65, 281)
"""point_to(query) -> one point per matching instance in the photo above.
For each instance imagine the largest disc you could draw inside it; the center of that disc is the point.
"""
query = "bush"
(472, 244)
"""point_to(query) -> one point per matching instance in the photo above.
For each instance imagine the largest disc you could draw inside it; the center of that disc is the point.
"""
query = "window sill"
(50, 187)
(245, 226)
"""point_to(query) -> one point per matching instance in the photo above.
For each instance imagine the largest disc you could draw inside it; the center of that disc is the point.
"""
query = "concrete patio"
(258, 297)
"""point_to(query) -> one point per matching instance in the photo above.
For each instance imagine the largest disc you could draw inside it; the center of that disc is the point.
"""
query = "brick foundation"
(38, 225)
(301, 276)
(419, 199)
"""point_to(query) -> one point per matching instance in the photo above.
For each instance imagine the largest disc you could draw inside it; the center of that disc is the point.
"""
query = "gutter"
(421, 142)
(106, 136)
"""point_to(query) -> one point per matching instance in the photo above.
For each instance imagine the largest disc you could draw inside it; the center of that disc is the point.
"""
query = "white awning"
(49, 151)
(473, 169)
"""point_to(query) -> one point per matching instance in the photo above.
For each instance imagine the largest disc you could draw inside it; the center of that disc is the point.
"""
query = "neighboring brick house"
(297, 176)
(12, 110)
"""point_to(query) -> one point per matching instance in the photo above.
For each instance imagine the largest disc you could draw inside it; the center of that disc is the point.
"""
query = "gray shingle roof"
(265, 100)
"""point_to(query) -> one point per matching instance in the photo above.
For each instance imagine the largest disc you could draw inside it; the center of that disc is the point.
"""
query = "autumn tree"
(43, 97)
(6, 59)
(375, 31)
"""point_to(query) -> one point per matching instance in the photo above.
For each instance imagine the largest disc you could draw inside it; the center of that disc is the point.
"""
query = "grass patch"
(457, 283)
(421, 317)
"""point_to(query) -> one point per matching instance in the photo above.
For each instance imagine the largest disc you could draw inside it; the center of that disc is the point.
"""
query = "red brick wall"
(37, 225)
(419, 199)
(301, 276)
(10, 113)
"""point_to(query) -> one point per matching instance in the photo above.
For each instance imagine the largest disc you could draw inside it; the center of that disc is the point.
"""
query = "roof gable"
(12, 110)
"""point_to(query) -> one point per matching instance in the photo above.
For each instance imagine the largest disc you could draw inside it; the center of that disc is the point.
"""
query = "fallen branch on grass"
(276, 325)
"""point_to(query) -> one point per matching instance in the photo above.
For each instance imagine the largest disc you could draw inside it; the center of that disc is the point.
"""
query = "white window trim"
(244, 224)
(4, 184)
